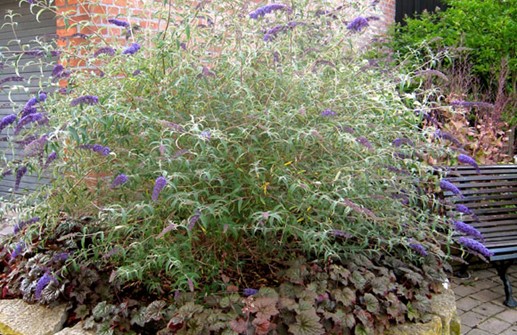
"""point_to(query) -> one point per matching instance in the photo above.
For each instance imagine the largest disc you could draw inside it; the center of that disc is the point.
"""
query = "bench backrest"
(491, 195)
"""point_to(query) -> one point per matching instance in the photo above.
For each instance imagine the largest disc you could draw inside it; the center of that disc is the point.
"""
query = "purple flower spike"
(475, 246)
(328, 113)
(357, 24)
(119, 180)
(420, 249)
(85, 99)
(42, 283)
(50, 158)
(465, 159)
(119, 23)
(259, 12)
(57, 70)
(340, 233)
(206, 135)
(106, 50)
(249, 292)
(19, 175)
(13, 78)
(26, 120)
(20, 225)
(132, 49)
(464, 209)
(194, 219)
(401, 141)
(7, 120)
(364, 141)
(448, 186)
(158, 187)
(467, 229)
(17, 251)
(42, 97)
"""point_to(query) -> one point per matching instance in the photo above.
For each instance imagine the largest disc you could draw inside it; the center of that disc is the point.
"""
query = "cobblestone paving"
(479, 300)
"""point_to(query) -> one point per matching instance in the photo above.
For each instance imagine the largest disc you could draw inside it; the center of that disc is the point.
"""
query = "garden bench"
(491, 195)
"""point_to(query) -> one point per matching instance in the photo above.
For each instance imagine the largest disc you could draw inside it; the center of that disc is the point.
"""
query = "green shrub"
(211, 159)
(485, 31)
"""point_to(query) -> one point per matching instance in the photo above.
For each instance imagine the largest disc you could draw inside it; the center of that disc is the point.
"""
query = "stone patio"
(479, 301)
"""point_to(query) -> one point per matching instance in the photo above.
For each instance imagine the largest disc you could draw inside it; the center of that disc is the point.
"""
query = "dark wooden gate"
(411, 8)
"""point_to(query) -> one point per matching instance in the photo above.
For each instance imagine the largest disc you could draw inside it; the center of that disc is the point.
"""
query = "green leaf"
(154, 311)
(371, 302)
(307, 323)
(358, 280)
(345, 296)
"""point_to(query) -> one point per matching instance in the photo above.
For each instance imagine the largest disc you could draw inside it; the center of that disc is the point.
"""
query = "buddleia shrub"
(206, 160)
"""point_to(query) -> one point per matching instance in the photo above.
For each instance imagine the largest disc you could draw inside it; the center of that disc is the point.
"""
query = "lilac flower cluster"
(7, 120)
(13, 78)
(20, 225)
(328, 113)
(249, 292)
(50, 158)
(42, 283)
(467, 229)
(105, 50)
(447, 136)
(34, 117)
(59, 71)
(206, 135)
(470, 104)
(36, 147)
(475, 246)
(132, 49)
(448, 186)
(85, 99)
(119, 180)
(159, 184)
(260, 12)
(104, 151)
(61, 257)
(272, 33)
(401, 141)
(420, 249)
(119, 23)
(34, 53)
(357, 24)
(194, 219)
(463, 209)
(364, 141)
(22, 170)
(465, 159)
(18, 249)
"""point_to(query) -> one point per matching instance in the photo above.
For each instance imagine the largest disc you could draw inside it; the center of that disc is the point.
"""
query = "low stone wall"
(444, 319)
(20, 318)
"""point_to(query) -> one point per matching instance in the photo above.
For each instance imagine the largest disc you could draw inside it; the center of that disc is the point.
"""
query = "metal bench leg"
(502, 269)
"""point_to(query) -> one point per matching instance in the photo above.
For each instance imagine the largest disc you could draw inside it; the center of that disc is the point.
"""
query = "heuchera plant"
(212, 180)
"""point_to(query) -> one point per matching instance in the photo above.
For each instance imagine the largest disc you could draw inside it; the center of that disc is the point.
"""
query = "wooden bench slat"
(481, 191)
(479, 203)
(483, 177)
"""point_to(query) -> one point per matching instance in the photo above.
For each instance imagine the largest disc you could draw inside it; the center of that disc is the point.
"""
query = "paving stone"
(472, 319)
(508, 315)
(467, 303)
(494, 326)
(487, 295)
(479, 332)
(510, 331)
(465, 329)
(488, 309)
(466, 290)
(19, 317)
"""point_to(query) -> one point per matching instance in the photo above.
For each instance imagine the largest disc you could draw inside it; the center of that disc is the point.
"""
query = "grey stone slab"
(510, 331)
(472, 319)
(465, 329)
(466, 290)
(19, 317)
(508, 315)
(467, 303)
(479, 332)
(488, 309)
(487, 295)
(494, 326)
